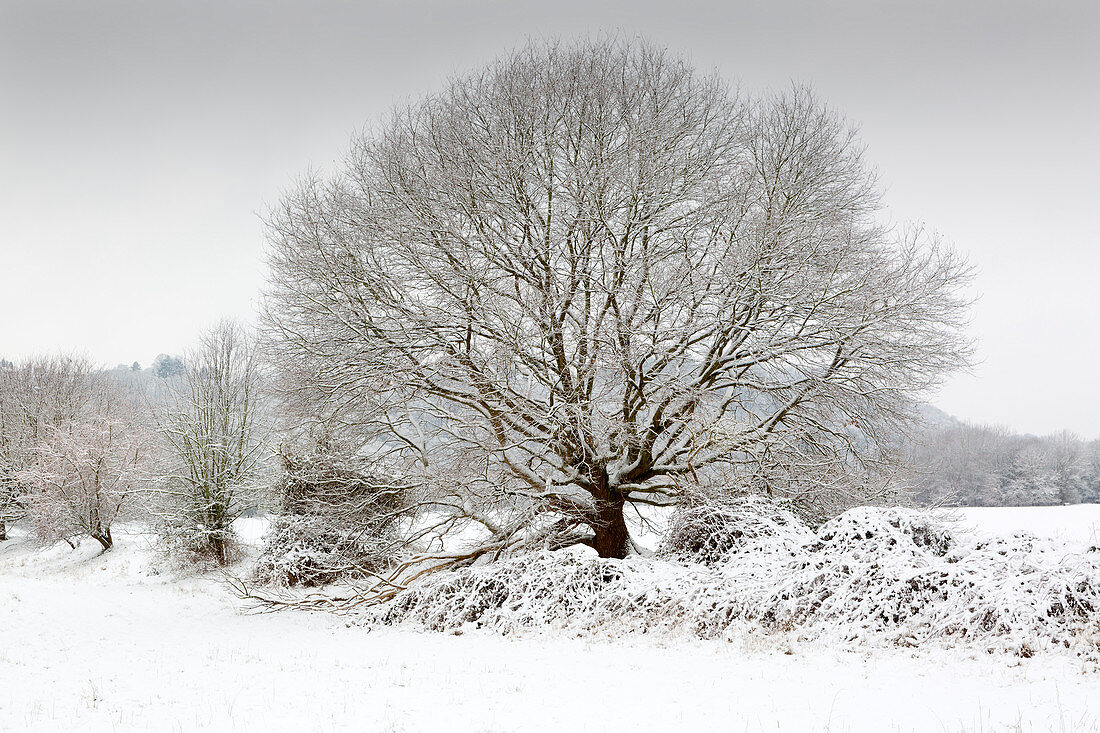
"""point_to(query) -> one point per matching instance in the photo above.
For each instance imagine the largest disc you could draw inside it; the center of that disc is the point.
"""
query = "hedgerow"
(878, 576)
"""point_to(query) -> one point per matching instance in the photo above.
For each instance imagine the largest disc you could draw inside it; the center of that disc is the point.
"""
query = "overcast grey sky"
(140, 141)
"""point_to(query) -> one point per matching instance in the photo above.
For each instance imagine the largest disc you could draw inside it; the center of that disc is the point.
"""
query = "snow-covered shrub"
(879, 576)
(710, 534)
(310, 550)
(189, 543)
(569, 589)
(891, 530)
(327, 477)
(1027, 591)
(338, 517)
(865, 572)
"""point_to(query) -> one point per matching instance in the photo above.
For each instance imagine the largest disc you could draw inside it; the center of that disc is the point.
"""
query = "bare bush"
(328, 477)
(338, 520)
(313, 550)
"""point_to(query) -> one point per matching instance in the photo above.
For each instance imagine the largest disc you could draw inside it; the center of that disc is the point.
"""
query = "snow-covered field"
(1076, 524)
(108, 643)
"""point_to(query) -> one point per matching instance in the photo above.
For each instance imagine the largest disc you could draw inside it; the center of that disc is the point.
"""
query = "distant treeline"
(953, 463)
(960, 464)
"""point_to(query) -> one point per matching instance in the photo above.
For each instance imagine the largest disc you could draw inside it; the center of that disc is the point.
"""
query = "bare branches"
(215, 440)
(72, 449)
(592, 273)
(379, 590)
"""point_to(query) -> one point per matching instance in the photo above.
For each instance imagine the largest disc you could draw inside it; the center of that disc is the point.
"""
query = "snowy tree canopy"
(587, 275)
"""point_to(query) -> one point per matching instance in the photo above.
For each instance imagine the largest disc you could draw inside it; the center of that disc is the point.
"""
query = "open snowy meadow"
(120, 642)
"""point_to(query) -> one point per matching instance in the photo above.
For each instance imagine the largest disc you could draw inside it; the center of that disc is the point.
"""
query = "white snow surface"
(121, 642)
(1075, 524)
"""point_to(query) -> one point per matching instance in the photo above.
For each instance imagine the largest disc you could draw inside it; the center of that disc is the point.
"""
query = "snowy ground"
(1076, 524)
(107, 643)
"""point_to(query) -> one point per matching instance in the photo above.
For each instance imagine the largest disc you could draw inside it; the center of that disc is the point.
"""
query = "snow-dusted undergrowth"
(881, 576)
(305, 549)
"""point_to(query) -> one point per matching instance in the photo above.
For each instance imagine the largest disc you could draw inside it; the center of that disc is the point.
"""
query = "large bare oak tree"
(588, 276)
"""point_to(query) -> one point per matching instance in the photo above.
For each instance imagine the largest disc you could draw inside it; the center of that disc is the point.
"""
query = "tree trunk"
(103, 537)
(612, 536)
(219, 547)
(3, 530)
(608, 522)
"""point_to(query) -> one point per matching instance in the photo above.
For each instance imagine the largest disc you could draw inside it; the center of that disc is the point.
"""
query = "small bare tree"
(42, 394)
(10, 441)
(215, 441)
(83, 473)
(587, 277)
